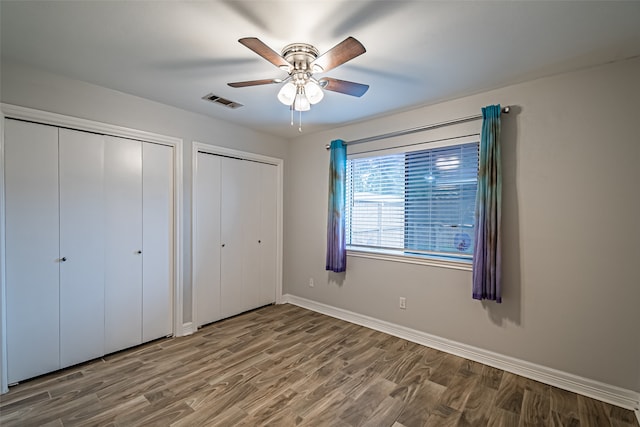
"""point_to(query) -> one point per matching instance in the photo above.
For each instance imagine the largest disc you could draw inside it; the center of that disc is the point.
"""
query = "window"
(419, 202)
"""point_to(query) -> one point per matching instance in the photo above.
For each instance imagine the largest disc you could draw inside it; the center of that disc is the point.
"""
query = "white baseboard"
(607, 393)
(187, 329)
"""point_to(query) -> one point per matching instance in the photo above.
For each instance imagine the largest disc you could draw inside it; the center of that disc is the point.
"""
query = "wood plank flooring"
(287, 366)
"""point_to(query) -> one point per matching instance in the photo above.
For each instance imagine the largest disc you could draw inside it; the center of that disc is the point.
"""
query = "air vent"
(222, 101)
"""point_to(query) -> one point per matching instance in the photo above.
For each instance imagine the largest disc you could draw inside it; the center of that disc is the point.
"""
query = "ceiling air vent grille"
(222, 101)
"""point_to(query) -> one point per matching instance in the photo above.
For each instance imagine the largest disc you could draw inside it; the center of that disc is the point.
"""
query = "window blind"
(420, 202)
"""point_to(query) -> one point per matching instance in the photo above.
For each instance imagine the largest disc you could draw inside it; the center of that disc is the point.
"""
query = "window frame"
(399, 255)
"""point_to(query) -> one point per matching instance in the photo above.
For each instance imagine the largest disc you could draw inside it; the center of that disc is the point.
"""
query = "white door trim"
(3, 295)
(223, 151)
(60, 120)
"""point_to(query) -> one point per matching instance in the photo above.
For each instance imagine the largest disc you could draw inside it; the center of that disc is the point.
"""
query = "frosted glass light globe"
(287, 93)
(314, 92)
(301, 102)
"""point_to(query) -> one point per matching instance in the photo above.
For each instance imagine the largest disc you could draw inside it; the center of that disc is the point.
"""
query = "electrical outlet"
(311, 284)
(403, 303)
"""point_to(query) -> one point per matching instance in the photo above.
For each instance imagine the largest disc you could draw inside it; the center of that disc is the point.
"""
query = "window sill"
(393, 256)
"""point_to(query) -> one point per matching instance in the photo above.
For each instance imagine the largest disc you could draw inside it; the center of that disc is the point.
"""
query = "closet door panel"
(207, 239)
(232, 294)
(81, 160)
(268, 233)
(251, 235)
(157, 241)
(32, 249)
(123, 243)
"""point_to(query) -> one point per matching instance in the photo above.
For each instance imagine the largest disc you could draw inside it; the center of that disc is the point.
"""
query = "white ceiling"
(418, 52)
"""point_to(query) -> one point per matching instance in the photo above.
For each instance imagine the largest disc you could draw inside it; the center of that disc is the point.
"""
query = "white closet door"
(251, 235)
(81, 160)
(206, 278)
(233, 223)
(32, 249)
(123, 243)
(268, 233)
(157, 241)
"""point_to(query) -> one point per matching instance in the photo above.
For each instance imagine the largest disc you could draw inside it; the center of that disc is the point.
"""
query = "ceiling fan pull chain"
(291, 109)
(300, 124)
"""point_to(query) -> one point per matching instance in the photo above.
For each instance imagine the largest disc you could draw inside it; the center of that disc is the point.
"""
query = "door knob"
(63, 259)
(223, 245)
(259, 241)
(139, 252)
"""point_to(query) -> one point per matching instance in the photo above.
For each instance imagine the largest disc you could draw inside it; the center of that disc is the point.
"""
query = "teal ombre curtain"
(336, 238)
(487, 253)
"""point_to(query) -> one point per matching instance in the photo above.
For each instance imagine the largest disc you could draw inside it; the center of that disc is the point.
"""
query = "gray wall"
(27, 87)
(571, 209)
(571, 203)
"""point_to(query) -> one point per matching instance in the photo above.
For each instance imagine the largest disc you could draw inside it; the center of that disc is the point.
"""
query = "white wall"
(27, 87)
(571, 222)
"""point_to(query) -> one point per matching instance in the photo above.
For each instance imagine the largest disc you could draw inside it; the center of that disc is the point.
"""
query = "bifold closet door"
(268, 233)
(32, 249)
(236, 236)
(237, 223)
(157, 241)
(123, 243)
(81, 162)
(207, 239)
(250, 232)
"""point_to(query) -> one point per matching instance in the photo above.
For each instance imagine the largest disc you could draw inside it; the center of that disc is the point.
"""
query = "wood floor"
(285, 366)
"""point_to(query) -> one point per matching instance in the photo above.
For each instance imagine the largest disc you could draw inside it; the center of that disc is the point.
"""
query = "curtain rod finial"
(506, 109)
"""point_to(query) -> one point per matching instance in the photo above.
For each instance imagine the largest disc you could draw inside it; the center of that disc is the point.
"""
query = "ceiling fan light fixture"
(313, 91)
(301, 102)
(287, 93)
(300, 61)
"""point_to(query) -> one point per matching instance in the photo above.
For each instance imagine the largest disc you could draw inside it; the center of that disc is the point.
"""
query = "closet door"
(81, 161)
(123, 243)
(268, 233)
(207, 237)
(235, 236)
(233, 224)
(157, 241)
(32, 249)
(250, 232)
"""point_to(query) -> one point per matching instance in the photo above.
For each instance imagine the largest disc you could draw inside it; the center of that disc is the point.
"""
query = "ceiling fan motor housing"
(300, 56)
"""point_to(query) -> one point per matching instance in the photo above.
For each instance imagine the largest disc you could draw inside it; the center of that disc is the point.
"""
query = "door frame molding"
(228, 152)
(48, 118)
(3, 295)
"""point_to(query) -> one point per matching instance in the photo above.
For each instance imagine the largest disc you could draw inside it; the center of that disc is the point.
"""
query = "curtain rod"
(505, 110)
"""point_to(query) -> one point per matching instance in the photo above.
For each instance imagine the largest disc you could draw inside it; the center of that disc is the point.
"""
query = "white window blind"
(417, 202)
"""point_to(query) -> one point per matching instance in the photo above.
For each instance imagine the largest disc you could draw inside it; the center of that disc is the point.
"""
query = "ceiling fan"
(301, 61)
